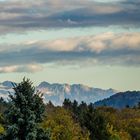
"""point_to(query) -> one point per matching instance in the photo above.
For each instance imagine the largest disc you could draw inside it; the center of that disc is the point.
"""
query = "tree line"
(26, 117)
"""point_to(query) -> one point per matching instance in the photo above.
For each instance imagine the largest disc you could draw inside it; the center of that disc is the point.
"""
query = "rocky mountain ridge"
(58, 92)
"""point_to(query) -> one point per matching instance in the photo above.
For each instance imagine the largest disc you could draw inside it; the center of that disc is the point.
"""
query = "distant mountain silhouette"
(121, 100)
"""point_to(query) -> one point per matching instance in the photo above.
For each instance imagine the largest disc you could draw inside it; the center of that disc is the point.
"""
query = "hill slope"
(121, 100)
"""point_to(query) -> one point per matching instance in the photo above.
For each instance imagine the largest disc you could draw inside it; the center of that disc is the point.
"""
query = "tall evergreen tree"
(67, 104)
(95, 122)
(25, 113)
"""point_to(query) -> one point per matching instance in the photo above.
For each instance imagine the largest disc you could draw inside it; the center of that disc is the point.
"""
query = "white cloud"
(18, 68)
(8, 69)
(95, 43)
(106, 49)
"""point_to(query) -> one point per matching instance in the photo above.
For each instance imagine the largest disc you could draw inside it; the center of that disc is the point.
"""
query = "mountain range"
(56, 93)
(121, 100)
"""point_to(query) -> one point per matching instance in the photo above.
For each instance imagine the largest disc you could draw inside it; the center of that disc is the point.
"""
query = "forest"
(26, 117)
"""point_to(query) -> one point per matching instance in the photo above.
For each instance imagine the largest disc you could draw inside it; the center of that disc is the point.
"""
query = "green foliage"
(106, 122)
(89, 118)
(62, 125)
(96, 124)
(24, 119)
(3, 105)
(1, 129)
(24, 113)
(134, 129)
(125, 122)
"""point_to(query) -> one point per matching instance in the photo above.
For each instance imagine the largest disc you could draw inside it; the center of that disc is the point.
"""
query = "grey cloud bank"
(103, 49)
(22, 15)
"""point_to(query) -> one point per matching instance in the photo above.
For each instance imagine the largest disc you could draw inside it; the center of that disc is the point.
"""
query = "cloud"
(102, 49)
(18, 68)
(20, 16)
(94, 43)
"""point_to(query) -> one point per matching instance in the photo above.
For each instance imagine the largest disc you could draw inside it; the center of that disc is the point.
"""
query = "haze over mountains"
(58, 92)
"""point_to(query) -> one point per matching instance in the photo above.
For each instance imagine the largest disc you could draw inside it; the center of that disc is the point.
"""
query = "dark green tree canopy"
(25, 113)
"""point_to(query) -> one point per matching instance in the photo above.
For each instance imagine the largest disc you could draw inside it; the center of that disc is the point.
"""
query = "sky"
(91, 42)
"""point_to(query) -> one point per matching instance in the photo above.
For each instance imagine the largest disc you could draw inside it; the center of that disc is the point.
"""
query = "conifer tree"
(25, 113)
(95, 122)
